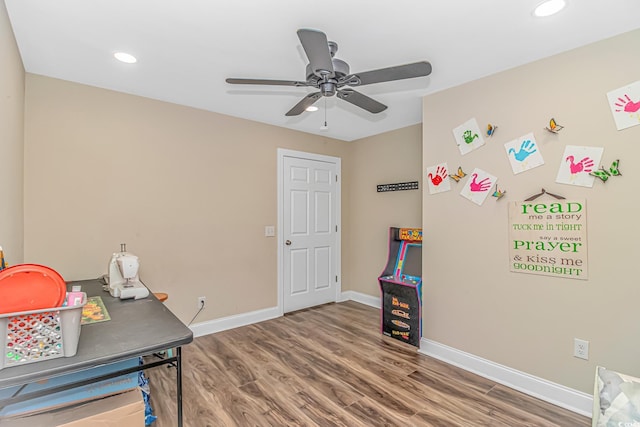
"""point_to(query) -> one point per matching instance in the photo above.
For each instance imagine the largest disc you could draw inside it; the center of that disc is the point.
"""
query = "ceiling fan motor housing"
(340, 69)
(326, 82)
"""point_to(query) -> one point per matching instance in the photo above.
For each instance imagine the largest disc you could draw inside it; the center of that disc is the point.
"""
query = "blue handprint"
(526, 148)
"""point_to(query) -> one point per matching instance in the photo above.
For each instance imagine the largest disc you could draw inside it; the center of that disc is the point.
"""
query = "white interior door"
(309, 232)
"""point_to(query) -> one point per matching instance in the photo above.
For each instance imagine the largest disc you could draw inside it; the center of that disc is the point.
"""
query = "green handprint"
(468, 138)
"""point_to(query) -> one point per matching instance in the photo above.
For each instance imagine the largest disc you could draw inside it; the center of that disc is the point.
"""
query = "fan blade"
(400, 72)
(302, 105)
(265, 82)
(316, 47)
(362, 101)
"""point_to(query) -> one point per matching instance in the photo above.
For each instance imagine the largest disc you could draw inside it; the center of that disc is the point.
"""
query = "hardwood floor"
(330, 366)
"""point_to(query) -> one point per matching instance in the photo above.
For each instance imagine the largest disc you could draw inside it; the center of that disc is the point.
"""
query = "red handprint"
(483, 185)
(627, 105)
(441, 173)
(586, 165)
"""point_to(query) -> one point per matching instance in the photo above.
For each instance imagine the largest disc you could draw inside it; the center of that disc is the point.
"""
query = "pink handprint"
(441, 173)
(627, 105)
(483, 185)
(586, 165)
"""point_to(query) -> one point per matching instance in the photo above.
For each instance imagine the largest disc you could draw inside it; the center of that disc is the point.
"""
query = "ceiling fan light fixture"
(125, 57)
(311, 108)
(549, 7)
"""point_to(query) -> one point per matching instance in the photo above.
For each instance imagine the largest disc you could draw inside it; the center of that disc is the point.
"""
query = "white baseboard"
(361, 298)
(235, 321)
(244, 319)
(548, 391)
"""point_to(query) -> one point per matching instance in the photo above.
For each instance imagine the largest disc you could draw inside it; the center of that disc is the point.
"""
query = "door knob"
(288, 242)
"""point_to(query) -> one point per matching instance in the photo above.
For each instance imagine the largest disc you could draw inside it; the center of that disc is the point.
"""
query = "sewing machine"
(122, 277)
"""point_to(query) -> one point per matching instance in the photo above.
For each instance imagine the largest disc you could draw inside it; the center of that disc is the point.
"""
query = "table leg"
(179, 383)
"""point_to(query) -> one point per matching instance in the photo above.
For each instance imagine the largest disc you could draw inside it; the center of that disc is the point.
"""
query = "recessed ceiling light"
(549, 7)
(125, 57)
(312, 108)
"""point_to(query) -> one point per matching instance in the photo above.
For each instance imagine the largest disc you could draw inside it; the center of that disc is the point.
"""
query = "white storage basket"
(37, 335)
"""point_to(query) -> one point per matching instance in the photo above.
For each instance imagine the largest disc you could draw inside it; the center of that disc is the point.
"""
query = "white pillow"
(616, 399)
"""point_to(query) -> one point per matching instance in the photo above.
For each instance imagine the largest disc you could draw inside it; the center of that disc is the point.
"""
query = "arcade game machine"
(401, 286)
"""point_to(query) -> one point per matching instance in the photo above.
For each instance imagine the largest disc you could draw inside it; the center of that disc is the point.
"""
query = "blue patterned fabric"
(143, 383)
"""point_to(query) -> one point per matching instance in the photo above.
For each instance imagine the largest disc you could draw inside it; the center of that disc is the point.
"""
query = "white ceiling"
(186, 49)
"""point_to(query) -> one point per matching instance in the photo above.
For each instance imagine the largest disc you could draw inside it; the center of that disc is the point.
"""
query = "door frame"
(282, 153)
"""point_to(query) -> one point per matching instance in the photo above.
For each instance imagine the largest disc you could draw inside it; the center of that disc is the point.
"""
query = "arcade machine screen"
(412, 263)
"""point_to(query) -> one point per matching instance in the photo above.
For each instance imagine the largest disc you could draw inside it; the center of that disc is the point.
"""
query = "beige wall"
(471, 300)
(11, 143)
(382, 159)
(189, 191)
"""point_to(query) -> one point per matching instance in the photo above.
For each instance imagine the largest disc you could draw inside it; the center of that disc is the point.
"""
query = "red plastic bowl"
(25, 287)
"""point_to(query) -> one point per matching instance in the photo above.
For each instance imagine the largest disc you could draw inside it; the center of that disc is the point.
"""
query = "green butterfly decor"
(604, 174)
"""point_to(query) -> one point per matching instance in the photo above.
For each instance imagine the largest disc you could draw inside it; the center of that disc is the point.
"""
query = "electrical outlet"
(201, 302)
(581, 349)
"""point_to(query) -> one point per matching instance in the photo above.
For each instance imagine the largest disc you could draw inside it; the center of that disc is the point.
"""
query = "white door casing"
(308, 232)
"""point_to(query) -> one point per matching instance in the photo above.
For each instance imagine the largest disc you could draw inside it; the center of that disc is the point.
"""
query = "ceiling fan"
(330, 75)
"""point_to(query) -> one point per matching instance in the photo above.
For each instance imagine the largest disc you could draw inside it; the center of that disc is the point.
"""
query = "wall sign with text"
(549, 238)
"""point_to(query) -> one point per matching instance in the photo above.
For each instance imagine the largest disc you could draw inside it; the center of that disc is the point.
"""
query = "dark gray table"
(137, 328)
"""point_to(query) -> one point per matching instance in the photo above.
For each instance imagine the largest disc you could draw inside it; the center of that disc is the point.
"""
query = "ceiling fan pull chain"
(325, 127)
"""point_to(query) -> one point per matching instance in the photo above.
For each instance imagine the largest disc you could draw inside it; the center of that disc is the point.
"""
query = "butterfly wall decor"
(491, 129)
(604, 174)
(554, 127)
(458, 176)
(499, 193)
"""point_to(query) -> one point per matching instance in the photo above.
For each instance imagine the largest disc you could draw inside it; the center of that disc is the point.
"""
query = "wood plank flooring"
(330, 366)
